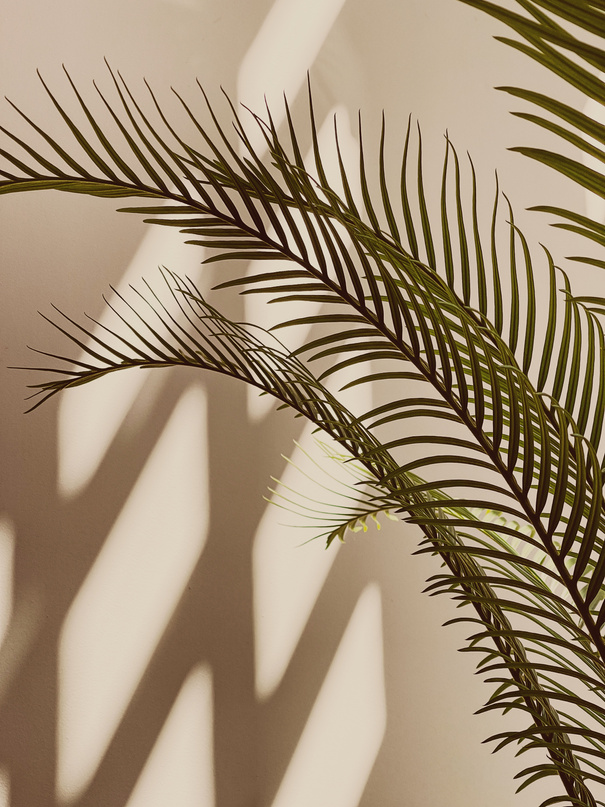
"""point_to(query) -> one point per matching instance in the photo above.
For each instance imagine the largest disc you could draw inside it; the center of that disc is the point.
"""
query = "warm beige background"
(138, 637)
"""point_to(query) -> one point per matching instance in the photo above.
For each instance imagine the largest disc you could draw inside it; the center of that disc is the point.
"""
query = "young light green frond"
(526, 691)
(353, 501)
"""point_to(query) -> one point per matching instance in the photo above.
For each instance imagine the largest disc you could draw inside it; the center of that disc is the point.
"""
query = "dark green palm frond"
(242, 209)
(228, 348)
(562, 675)
(575, 55)
(187, 331)
(195, 334)
(441, 339)
(427, 320)
(469, 278)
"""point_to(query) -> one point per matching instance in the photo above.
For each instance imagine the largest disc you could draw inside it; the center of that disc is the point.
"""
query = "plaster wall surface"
(166, 640)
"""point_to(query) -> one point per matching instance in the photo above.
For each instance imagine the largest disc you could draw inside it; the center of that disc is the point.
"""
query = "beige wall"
(163, 646)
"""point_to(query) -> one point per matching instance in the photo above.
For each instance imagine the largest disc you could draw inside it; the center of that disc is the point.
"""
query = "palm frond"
(208, 340)
(354, 498)
(457, 354)
(576, 56)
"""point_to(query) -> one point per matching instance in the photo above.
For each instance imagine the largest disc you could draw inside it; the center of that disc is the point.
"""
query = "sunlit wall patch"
(595, 205)
(4, 788)
(130, 594)
(180, 768)
(7, 548)
(90, 416)
(339, 744)
(256, 307)
(291, 37)
(287, 577)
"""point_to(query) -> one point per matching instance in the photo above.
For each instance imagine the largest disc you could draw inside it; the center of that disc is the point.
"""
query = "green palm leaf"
(437, 328)
(215, 343)
(573, 56)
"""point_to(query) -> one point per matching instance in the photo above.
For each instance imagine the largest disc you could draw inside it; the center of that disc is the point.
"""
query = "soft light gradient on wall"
(165, 638)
